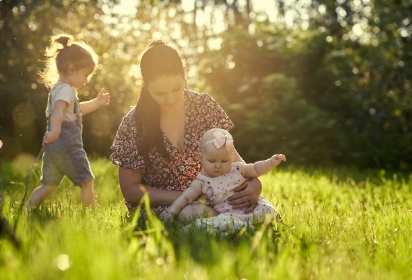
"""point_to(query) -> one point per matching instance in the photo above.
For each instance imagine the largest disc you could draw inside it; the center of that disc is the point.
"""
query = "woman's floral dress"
(201, 114)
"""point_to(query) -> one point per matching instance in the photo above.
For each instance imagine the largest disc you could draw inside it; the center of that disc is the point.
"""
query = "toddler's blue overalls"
(66, 155)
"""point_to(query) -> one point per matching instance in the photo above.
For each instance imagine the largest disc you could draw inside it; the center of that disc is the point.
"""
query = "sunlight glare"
(214, 43)
(188, 5)
(207, 15)
(357, 30)
(268, 7)
(126, 7)
(212, 16)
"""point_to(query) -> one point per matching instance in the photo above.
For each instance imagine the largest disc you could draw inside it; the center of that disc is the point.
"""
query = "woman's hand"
(246, 195)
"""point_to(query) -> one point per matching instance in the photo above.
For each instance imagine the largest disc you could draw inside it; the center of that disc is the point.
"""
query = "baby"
(221, 175)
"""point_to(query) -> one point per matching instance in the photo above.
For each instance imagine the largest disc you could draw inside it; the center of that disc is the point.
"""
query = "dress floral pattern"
(201, 114)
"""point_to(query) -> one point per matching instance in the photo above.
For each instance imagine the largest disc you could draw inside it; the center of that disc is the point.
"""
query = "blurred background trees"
(325, 82)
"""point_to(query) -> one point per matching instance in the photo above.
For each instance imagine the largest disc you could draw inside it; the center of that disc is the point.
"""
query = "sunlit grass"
(338, 224)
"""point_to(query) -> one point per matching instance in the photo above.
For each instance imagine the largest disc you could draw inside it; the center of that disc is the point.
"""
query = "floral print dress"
(201, 114)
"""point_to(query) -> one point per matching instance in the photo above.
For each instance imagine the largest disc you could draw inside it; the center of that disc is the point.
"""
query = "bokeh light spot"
(22, 163)
(62, 262)
(23, 114)
(104, 122)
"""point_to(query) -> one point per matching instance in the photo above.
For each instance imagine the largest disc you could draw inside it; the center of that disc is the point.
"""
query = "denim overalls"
(66, 155)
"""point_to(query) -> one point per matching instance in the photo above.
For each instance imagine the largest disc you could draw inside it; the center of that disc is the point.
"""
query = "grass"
(338, 224)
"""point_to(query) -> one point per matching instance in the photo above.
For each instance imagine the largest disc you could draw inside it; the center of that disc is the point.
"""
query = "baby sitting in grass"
(221, 175)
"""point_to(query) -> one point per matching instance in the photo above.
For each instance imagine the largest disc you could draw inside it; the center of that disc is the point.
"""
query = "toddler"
(69, 66)
(220, 176)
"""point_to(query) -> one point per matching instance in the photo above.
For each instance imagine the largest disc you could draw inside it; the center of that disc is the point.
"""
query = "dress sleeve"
(218, 116)
(124, 147)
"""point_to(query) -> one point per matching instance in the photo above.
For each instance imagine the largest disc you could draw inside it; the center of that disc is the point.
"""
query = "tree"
(326, 81)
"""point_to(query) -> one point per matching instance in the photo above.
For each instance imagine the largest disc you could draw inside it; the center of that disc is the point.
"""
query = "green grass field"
(338, 224)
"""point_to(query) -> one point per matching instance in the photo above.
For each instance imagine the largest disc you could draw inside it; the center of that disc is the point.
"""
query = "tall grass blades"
(337, 224)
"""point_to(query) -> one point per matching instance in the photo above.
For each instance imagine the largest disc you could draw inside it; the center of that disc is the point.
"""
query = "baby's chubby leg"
(39, 195)
(194, 211)
(190, 213)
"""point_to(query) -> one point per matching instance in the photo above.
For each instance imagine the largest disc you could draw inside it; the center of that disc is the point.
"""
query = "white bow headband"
(220, 140)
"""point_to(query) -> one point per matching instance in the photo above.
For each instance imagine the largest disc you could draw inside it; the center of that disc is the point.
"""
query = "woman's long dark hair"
(158, 59)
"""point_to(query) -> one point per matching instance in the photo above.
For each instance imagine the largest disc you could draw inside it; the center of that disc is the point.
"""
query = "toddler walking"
(69, 66)
(220, 176)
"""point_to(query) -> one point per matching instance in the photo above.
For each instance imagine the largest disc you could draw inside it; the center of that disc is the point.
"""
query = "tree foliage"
(325, 82)
(348, 63)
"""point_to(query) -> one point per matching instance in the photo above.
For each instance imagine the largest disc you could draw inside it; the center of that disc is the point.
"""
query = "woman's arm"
(133, 190)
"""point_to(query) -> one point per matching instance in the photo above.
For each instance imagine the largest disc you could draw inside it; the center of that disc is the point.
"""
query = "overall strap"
(77, 111)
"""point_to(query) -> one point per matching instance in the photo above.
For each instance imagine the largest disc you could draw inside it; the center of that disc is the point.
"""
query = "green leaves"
(334, 80)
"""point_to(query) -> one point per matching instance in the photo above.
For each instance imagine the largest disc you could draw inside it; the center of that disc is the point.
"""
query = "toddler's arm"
(261, 167)
(187, 197)
(102, 99)
(56, 119)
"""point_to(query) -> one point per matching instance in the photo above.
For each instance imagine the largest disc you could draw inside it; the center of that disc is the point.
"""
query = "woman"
(157, 146)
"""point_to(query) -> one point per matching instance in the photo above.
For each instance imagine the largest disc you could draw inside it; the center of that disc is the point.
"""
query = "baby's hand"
(103, 99)
(50, 137)
(276, 159)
